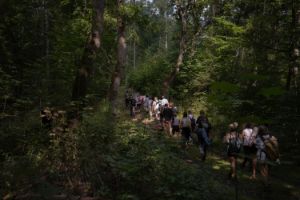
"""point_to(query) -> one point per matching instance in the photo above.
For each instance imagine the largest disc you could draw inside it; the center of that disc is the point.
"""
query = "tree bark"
(182, 13)
(121, 59)
(293, 46)
(85, 68)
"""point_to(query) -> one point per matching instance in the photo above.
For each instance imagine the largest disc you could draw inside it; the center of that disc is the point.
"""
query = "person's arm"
(205, 137)
(226, 138)
(242, 135)
(190, 124)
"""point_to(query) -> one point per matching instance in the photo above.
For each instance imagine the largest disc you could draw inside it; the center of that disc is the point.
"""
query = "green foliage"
(224, 87)
(272, 92)
(148, 77)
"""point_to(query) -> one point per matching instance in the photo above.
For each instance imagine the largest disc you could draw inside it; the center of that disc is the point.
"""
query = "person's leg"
(233, 167)
(231, 162)
(204, 152)
(265, 172)
(131, 111)
(254, 163)
(246, 154)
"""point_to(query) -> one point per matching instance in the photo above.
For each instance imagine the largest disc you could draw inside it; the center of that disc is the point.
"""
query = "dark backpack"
(193, 123)
(234, 145)
(133, 102)
(271, 148)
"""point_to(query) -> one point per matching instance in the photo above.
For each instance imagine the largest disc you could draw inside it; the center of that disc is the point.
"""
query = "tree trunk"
(293, 46)
(166, 30)
(121, 59)
(46, 36)
(85, 69)
(182, 12)
(134, 54)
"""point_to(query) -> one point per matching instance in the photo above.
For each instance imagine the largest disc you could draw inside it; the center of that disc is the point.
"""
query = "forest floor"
(284, 180)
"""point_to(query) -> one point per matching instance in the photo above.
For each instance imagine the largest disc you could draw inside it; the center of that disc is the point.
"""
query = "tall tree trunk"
(293, 46)
(182, 12)
(46, 36)
(121, 59)
(166, 30)
(134, 54)
(85, 69)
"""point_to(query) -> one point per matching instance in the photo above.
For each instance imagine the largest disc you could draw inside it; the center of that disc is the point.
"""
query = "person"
(233, 141)
(150, 110)
(46, 117)
(146, 103)
(175, 124)
(193, 120)
(175, 110)
(132, 106)
(167, 116)
(202, 122)
(164, 101)
(185, 125)
(202, 125)
(248, 136)
(139, 101)
(160, 111)
(155, 108)
(263, 134)
(127, 99)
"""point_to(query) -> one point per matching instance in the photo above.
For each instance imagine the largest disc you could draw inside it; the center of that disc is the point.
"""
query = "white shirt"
(164, 101)
(185, 122)
(248, 136)
(175, 121)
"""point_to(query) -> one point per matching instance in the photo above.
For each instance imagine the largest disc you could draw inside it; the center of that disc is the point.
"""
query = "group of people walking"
(167, 113)
(255, 144)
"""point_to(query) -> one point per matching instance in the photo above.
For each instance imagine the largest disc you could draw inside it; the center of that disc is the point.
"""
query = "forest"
(66, 67)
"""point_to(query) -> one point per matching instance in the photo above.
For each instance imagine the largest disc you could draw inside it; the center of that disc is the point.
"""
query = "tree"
(121, 57)
(85, 69)
(182, 9)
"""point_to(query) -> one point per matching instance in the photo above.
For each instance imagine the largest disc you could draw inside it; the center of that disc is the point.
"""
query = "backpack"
(271, 148)
(133, 102)
(234, 145)
(193, 123)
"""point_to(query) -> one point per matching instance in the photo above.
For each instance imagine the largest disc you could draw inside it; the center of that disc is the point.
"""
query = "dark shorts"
(233, 152)
(250, 150)
(186, 132)
(175, 129)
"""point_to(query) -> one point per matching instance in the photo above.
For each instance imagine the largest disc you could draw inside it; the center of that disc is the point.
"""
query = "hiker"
(267, 150)
(175, 110)
(146, 103)
(185, 125)
(193, 120)
(175, 124)
(155, 108)
(164, 101)
(127, 99)
(132, 106)
(46, 117)
(150, 110)
(160, 111)
(233, 141)
(167, 116)
(202, 122)
(202, 133)
(249, 137)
